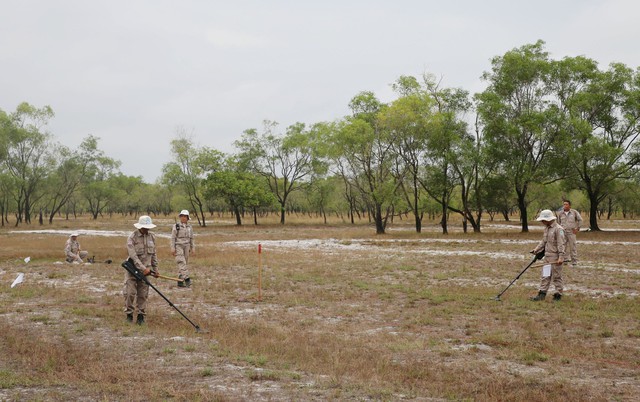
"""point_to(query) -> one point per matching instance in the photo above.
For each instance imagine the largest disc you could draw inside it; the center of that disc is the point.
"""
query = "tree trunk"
(236, 212)
(523, 210)
(593, 213)
(378, 219)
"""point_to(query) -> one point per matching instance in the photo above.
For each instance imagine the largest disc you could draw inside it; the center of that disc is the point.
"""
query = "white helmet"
(74, 234)
(144, 222)
(184, 212)
(546, 215)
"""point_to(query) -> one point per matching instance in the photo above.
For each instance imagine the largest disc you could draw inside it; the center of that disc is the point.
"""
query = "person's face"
(184, 218)
(547, 223)
(74, 238)
(144, 231)
(566, 206)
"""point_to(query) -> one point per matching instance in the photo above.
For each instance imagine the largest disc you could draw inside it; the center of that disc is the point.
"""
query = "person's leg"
(558, 282)
(129, 293)
(143, 295)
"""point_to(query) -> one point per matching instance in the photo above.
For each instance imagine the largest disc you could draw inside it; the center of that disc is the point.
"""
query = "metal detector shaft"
(131, 268)
(536, 257)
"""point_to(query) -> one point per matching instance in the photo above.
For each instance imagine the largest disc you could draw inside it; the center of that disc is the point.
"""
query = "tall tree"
(410, 119)
(189, 168)
(520, 124)
(26, 156)
(362, 153)
(602, 115)
(287, 162)
(72, 168)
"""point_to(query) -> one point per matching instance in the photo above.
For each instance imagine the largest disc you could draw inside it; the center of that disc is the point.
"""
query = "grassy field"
(345, 315)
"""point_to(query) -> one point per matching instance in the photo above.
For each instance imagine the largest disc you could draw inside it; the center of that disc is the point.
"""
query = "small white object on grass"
(18, 280)
(26, 260)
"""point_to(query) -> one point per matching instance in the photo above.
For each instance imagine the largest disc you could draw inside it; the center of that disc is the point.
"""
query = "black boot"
(187, 282)
(541, 295)
(130, 317)
(181, 282)
(557, 297)
(140, 319)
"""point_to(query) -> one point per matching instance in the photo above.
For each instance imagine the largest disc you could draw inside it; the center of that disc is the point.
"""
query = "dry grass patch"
(399, 316)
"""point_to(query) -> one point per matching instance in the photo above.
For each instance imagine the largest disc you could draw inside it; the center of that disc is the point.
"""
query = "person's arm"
(192, 244)
(561, 245)
(578, 221)
(174, 235)
(154, 257)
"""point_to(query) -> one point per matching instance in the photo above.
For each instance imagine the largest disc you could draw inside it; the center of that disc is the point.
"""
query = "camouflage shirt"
(142, 250)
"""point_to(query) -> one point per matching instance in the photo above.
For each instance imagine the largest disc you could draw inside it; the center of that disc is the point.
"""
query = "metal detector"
(131, 268)
(536, 257)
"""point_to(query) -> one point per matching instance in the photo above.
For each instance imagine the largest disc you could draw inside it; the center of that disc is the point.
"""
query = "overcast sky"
(132, 72)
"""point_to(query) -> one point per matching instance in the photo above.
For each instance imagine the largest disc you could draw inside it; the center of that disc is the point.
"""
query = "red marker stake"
(259, 272)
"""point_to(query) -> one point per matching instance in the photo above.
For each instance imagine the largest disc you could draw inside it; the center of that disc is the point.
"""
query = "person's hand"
(173, 253)
(193, 252)
(533, 251)
(146, 271)
(155, 273)
(575, 230)
(560, 261)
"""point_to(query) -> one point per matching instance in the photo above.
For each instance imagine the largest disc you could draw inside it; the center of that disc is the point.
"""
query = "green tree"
(189, 169)
(239, 188)
(410, 120)
(520, 124)
(287, 162)
(72, 167)
(25, 155)
(602, 115)
(362, 153)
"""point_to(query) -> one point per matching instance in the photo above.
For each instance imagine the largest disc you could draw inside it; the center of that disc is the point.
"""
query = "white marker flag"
(546, 270)
(18, 280)
(26, 260)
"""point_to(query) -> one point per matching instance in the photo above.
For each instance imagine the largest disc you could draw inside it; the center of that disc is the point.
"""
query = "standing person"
(570, 220)
(181, 246)
(553, 244)
(72, 250)
(141, 246)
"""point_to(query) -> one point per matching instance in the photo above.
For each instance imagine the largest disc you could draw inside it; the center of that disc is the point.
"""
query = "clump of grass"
(534, 356)
(263, 375)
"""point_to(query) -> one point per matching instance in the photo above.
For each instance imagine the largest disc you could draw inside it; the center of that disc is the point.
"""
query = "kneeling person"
(72, 250)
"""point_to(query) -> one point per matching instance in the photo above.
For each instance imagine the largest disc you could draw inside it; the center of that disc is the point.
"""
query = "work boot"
(557, 297)
(187, 282)
(140, 319)
(541, 295)
(180, 282)
(129, 317)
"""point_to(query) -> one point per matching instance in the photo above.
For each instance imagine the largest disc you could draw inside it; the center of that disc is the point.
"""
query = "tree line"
(543, 129)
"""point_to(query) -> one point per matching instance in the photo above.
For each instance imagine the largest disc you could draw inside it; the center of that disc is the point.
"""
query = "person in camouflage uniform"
(72, 250)
(141, 247)
(553, 244)
(570, 220)
(182, 245)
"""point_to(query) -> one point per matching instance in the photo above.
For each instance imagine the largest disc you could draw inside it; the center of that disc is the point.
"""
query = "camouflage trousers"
(556, 278)
(571, 249)
(135, 291)
(182, 259)
(83, 256)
